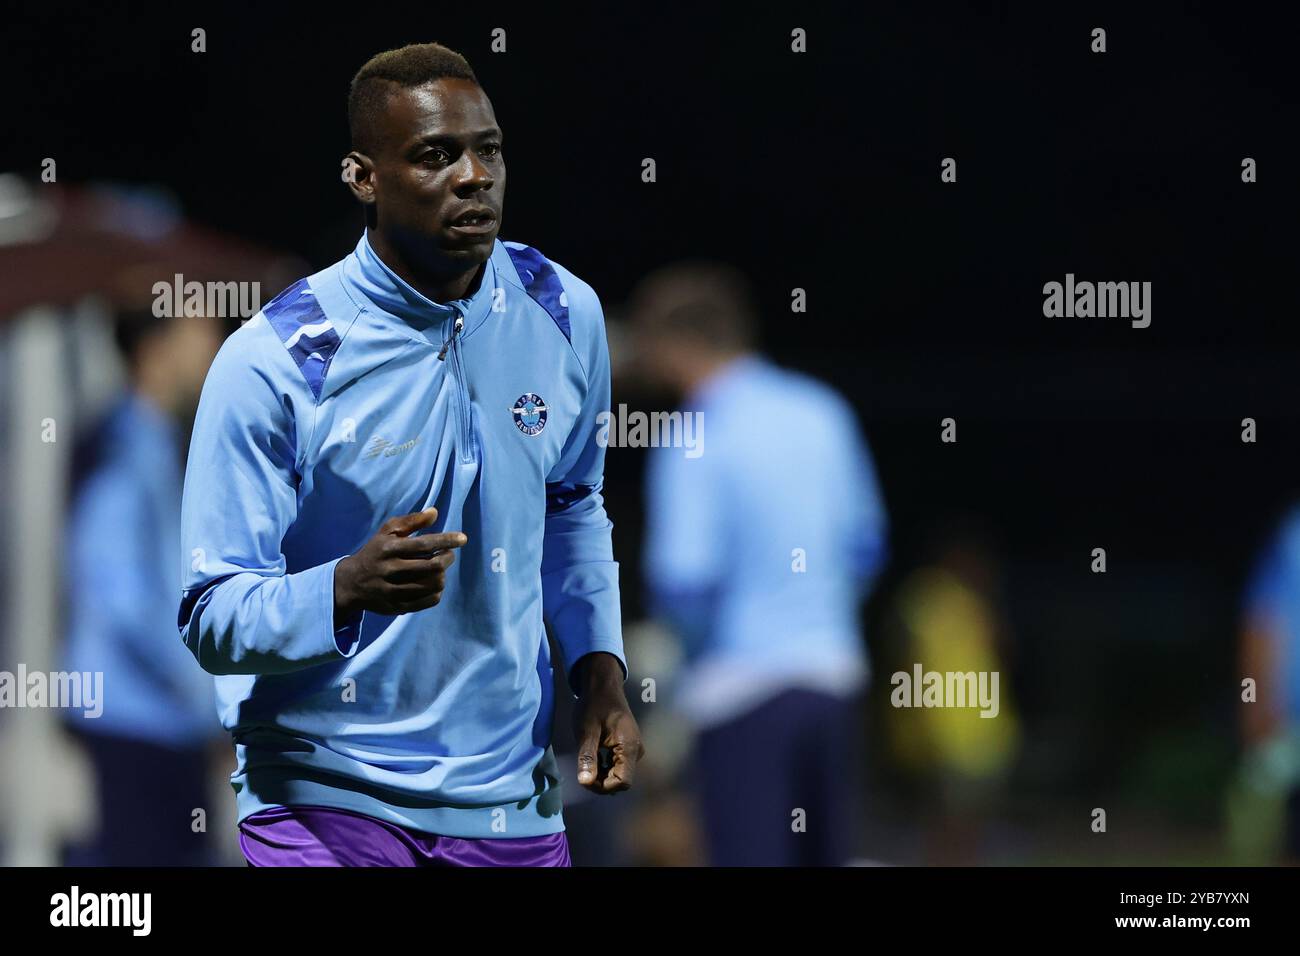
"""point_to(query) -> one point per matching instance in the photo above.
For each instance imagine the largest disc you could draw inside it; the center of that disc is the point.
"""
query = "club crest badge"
(529, 413)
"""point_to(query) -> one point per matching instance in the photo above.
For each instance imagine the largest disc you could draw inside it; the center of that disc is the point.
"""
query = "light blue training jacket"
(352, 398)
(121, 583)
(760, 549)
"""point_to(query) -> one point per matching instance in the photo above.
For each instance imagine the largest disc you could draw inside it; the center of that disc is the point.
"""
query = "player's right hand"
(397, 571)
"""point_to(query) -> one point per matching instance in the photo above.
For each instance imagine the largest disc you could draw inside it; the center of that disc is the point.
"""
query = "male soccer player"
(1269, 651)
(394, 476)
(150, 747)
(758, 552)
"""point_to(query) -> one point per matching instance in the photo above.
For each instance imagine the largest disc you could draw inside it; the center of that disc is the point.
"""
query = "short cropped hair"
(402, 68)
(710, 303)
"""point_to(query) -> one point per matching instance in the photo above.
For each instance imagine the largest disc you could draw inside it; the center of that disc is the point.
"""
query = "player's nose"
(474, 174)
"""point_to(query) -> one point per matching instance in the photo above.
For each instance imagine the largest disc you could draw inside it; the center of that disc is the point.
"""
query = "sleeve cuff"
(346, 634)
(607, 647)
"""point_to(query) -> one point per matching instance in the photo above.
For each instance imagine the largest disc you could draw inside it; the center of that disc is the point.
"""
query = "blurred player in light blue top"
(151, 745)
(762, 541)
(1265, 807)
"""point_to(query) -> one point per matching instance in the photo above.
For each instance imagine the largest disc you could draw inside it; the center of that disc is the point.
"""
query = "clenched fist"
(396, 571)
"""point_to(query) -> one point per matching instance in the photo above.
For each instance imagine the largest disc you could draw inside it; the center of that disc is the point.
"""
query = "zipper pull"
(460, 324)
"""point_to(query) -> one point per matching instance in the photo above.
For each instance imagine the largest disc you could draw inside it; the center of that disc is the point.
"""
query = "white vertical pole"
(36, 488)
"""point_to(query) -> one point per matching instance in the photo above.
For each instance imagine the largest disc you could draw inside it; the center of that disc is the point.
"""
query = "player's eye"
(492, 149)
(437, 156)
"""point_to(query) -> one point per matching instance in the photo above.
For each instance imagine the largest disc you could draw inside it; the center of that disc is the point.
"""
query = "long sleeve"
(684, 543)
(241, 613)
(114, 559)
(121, 605)
(580, 595)
(867, 525)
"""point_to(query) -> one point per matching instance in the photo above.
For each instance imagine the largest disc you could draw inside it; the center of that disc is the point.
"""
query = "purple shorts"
(324, 836)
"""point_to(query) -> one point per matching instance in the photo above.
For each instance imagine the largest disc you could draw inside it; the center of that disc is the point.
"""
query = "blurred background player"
(947, 615)
(151, 748)
(1264, 803)
(761, 544)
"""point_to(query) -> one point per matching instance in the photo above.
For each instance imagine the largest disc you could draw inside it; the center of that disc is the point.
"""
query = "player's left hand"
(603, 721)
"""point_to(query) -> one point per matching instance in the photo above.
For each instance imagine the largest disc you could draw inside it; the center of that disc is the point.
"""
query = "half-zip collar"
(434, 321)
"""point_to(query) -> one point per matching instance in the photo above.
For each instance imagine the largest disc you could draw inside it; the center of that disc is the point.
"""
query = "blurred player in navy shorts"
(762, 541)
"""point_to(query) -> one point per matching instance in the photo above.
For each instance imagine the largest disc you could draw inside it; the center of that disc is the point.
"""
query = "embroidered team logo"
(529, 413)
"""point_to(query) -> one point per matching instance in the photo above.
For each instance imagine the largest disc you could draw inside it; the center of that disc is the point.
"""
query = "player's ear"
(357, 173)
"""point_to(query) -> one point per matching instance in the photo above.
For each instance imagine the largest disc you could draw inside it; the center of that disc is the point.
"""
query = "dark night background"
(821, 171)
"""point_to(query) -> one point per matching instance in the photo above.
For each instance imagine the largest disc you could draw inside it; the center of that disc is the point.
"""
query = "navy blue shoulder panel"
(542, 284)
(305, 331)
